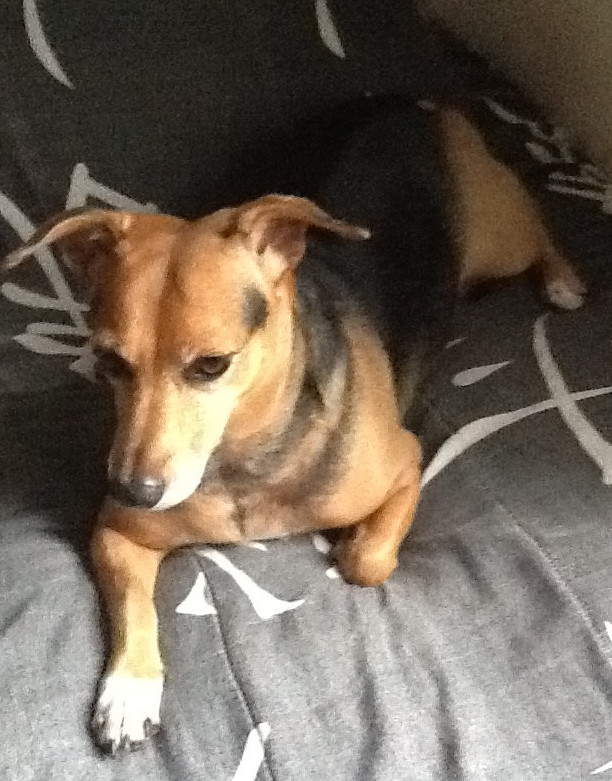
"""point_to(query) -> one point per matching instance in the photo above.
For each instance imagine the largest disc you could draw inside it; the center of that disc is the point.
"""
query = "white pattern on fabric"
(253, 755)
(586, 185)
(324, 546)
(40, 45)
(602, 769)
(45, 338)
(196, 603)
(38, 337)
(608, 765)
(265, 604)
(477, 373)
(256, 546)
(589, 439)
(327, 29)
(554, 148)
(562, 400)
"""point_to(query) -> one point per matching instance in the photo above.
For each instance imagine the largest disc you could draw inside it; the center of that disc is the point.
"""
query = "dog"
(265, 358)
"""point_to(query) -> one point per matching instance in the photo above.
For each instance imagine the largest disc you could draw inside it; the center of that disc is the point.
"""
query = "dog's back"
(379, 162)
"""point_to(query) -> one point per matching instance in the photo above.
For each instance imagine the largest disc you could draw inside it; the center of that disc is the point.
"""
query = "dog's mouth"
(181, 488)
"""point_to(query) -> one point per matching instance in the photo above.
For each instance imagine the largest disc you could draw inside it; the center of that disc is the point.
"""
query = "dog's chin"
(181, 487)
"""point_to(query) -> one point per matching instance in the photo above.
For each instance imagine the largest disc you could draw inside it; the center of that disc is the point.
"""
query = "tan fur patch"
(501, 230)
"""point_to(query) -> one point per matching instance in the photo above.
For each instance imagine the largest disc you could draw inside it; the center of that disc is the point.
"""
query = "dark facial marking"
(110, 365)
(254, 309)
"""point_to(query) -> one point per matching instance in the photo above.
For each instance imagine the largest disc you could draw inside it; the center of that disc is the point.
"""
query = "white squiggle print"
(196, 603)
(593, 186)
(562, 400)
(480, 429)
(554, 148)
(46, 337)
(324, 546)
(256, 546)
(477, 373)
(83, 187)
(40, 45)
(608, 765)
(327, 29)
(556, 138)
(253, 755)
(265, 604)
(38, 336)
(586, 434)
(602, 769)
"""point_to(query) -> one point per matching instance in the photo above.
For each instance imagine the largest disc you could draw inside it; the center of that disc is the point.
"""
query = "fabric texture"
(487, 654)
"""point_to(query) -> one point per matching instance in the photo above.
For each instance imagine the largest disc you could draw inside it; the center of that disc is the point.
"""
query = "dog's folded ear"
(277, 225)
(84, 237)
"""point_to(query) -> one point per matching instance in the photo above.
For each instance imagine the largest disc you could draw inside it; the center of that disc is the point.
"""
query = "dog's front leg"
(368, 553)
(127, 710)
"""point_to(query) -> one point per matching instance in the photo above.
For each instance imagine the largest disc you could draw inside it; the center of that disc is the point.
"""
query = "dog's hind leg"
(562, 286)
(501, 228)
(367, 555)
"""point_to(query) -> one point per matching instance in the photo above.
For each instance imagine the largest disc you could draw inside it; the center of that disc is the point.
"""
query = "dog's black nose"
(145, 492)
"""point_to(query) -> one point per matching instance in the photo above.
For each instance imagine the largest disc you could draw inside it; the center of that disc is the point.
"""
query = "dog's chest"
(260, 506)
(262, 515)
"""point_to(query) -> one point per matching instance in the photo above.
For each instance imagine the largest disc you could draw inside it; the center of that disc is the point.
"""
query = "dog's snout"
(144, 492)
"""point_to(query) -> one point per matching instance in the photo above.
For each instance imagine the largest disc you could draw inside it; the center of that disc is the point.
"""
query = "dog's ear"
(275, 227)
(85, 237)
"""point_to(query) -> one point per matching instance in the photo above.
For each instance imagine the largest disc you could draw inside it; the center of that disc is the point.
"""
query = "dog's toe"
(566, 292)
(127, 713)
(109, 747)
(134, 745)
(151, 729)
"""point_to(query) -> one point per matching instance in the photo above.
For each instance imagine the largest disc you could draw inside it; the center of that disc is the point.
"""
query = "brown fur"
(165, 291)
(501, 229)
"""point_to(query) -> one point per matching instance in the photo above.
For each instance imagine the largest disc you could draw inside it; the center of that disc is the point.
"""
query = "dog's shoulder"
(323, 303)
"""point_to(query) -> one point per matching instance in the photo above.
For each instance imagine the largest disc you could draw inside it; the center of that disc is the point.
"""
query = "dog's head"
(189, 323)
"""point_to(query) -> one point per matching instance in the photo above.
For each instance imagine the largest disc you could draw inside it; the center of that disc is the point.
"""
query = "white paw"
(127, 712)
(565, 295)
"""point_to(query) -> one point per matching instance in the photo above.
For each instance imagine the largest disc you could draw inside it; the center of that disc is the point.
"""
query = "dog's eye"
(207, 368)
(112, 366)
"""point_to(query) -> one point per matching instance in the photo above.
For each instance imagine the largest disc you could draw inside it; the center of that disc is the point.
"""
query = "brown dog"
(258, 395)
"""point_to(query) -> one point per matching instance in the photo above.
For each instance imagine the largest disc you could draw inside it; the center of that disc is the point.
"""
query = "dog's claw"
(109, 748)
(126, 746)
(127, 714)
(135, 745)
(150, 729)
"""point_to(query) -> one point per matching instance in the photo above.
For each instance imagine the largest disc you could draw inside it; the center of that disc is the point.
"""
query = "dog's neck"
(267, 407)
(293, 410)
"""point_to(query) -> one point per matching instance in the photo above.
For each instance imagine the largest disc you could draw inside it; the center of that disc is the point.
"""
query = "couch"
(488, 653)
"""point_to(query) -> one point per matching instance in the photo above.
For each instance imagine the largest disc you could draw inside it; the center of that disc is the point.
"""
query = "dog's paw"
(566, 292)
(127, 712)
(362, 566)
